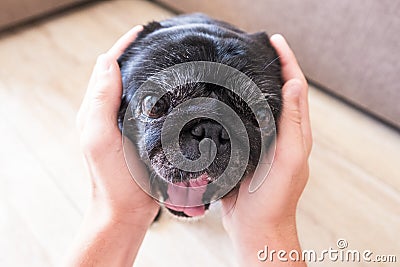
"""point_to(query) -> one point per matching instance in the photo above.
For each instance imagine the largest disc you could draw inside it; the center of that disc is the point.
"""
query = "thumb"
(290, 135)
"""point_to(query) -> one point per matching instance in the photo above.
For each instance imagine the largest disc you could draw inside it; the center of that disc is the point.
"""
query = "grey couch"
(350, 48)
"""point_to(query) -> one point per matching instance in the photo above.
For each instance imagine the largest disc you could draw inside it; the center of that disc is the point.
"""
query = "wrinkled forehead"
(195, 89)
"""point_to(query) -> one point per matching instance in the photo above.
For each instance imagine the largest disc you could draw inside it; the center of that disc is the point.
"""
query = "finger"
(119, 47)
(292, 70)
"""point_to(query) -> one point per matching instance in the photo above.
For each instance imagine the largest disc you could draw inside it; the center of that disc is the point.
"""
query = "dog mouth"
(186, 198)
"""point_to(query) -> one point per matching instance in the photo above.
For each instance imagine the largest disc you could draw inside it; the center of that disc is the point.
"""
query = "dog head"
(185, 39)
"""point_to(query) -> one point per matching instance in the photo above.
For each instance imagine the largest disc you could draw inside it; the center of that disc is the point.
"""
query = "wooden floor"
(353, 193)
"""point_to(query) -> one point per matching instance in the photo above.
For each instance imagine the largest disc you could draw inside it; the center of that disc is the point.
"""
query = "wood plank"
(18, 246)
(350, 196)
(32, 193)
(356, 137)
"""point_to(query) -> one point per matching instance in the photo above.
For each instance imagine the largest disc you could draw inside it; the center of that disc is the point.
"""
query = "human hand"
(119, 212)
(113, 189)
(254, 219)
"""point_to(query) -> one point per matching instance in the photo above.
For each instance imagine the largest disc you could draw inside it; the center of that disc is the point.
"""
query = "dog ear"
(149, 28)
(260, 37)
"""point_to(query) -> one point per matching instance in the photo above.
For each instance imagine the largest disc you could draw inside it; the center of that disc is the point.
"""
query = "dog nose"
(212, 130)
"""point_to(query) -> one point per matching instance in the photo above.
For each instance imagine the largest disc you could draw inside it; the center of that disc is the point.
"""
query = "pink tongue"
(186, 196)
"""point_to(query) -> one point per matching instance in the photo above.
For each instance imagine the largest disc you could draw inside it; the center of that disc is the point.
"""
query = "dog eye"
(153, 107)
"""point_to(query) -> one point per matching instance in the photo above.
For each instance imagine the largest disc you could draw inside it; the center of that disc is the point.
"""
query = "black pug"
(188, 38)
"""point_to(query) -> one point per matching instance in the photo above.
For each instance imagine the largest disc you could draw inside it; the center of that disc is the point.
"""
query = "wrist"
(113, 212)
(103, 235)
(259, 233)
(260, 228)
(267, 238)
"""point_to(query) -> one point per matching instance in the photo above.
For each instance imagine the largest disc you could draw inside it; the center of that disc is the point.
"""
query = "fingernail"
(277, 36)
(138, 28)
